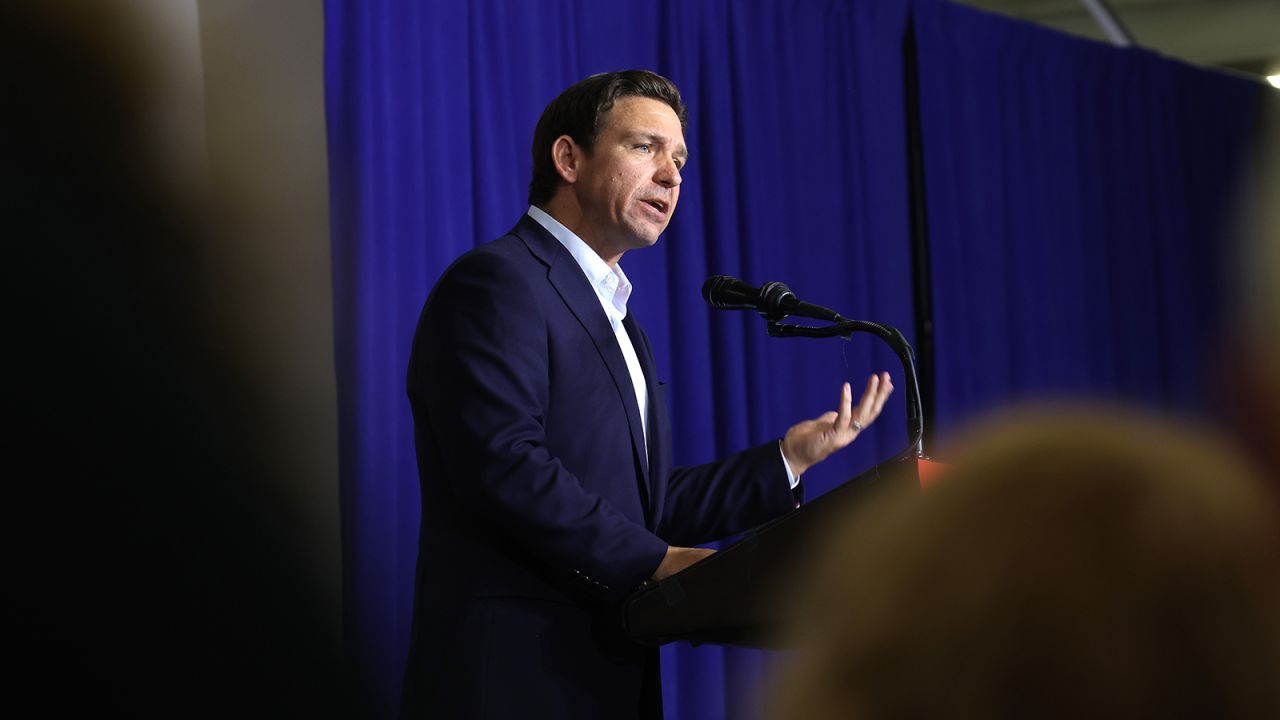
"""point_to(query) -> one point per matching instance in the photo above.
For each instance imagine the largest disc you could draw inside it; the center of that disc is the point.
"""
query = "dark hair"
(578, 112)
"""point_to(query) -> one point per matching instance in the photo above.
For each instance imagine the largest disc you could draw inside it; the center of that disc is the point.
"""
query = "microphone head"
(711, 287)
(729, 293)
(773, 296)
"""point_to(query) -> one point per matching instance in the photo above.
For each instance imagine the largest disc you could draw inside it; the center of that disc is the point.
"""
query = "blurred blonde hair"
(1071, 563)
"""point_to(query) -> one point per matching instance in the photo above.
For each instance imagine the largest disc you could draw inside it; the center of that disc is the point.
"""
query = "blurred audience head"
(1073, 564)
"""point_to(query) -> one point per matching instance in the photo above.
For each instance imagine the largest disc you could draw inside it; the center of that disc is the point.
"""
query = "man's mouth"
(658, 205)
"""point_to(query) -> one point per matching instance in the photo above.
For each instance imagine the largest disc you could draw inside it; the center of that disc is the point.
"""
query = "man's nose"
(668, 174)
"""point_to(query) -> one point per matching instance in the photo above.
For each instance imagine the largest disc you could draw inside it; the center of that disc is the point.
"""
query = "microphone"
(773, 299)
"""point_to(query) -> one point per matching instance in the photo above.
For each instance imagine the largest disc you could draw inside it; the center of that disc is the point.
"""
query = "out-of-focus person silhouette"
(1249, 367)
(1071, 563)
(150, 570)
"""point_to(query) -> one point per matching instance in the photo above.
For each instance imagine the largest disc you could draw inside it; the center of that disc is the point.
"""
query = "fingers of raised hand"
(882, 394)
(878, 389)
(844, 418)
(866, 404)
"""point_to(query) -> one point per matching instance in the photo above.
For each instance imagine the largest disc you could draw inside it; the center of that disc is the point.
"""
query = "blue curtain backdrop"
(1080, 199)
(797, 173)
(1075, 196)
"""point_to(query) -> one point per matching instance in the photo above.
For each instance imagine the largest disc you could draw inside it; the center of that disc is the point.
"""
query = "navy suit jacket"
(542, 506)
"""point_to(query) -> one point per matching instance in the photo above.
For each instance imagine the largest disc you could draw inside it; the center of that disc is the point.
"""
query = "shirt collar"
(610, 283)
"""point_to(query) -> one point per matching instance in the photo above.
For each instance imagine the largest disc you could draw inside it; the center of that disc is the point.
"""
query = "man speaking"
(543, 442)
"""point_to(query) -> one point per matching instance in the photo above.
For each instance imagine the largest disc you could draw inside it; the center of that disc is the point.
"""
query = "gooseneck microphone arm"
(894, 339)
(775, 301)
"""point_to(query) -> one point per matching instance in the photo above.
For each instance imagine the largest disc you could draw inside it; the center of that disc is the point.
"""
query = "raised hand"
(810, 442)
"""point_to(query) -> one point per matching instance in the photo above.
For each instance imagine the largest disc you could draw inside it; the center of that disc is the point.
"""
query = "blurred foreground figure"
(1249, 362)
(1072, 565)
(152, 570)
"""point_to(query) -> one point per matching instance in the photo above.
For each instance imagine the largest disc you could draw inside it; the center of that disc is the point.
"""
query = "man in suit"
(542, 434)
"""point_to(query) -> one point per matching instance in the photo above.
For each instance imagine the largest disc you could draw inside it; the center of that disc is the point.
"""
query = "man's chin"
(646, 237)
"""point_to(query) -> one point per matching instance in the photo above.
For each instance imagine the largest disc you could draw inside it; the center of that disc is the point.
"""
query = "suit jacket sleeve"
(479, 377)
(723, 498)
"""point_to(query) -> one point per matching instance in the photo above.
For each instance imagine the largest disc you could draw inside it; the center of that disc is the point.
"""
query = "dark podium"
(734, 597)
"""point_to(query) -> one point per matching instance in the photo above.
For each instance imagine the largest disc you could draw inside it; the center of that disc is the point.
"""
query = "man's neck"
(568, 213)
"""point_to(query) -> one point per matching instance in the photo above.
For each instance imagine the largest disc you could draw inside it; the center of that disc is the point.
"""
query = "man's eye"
(643, 147)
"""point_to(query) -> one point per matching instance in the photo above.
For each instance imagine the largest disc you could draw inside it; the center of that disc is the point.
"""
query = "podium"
(737, 596)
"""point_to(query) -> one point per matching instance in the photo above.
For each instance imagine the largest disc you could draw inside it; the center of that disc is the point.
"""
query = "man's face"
(629, 184)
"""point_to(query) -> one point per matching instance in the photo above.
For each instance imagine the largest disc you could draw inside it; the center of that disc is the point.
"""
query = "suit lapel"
(576, 291)
(659, 462)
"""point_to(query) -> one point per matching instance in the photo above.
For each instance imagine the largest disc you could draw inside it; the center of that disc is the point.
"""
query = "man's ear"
(566, 155)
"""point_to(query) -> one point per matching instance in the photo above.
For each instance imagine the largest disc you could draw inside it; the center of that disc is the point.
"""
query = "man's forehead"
(642, 111)
(647, 117)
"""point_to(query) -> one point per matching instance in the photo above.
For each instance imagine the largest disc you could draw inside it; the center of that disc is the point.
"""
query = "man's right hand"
(679, 558)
